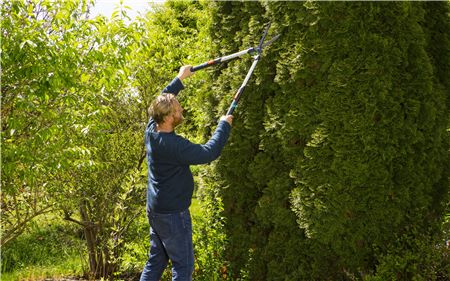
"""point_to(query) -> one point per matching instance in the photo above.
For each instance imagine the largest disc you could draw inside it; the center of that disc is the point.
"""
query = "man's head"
(166, 109)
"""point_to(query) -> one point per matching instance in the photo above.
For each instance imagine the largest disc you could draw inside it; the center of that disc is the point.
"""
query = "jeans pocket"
(181, 223)
(162, 224)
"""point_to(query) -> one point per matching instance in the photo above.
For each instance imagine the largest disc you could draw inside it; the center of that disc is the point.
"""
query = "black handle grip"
(206, 64)
(200, 66)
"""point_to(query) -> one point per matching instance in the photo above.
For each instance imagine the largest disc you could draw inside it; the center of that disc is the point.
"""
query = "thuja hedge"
(337, 167)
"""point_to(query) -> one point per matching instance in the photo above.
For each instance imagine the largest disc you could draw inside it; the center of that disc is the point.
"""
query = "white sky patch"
(107, 7)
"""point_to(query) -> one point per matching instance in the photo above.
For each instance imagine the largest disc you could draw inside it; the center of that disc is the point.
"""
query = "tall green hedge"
(337, 167)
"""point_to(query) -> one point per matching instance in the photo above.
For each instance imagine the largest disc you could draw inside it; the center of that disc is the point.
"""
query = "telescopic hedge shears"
(254, 50)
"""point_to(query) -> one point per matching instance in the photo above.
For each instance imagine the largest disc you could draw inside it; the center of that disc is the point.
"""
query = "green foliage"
(343, 123)
(75, 92)
(336, 169)
(409, 258)
(173, 35)
(50, 242)
(375, 160)
(209, 237)
(71, 120)
(135, 252)
(40, 86)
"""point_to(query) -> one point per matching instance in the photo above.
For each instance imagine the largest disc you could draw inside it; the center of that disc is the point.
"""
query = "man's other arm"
(193, 154)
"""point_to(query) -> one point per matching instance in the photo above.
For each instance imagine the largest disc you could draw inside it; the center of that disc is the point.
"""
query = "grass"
(70, 266)
(195, 208)
(50, 248)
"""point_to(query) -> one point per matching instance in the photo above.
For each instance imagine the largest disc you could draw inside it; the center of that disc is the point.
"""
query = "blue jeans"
(171, 238)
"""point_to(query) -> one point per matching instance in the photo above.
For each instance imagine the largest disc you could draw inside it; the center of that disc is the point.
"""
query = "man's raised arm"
(176, 85)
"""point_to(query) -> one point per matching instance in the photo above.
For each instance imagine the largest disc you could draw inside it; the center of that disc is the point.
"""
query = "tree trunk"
(89, 232)
(100, 256)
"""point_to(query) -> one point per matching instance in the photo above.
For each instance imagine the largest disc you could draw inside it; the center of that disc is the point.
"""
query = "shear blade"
(270, 41)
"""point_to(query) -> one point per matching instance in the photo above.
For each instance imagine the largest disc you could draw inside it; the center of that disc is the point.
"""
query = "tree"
(344, 124)
(40, 83)
(104, 194)
(71, 120)
(373, 159)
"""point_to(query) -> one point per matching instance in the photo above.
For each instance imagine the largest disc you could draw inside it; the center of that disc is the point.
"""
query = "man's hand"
(227, 118)
(185, 72)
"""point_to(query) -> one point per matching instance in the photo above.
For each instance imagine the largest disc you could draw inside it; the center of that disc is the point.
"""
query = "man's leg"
(158, 258)
(179, 247)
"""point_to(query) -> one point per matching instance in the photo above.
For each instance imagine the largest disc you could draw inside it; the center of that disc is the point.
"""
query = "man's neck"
(164, 128)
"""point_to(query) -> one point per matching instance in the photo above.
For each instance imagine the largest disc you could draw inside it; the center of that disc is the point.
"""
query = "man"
(170, 182)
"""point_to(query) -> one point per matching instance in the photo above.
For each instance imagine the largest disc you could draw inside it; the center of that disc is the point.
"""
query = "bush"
(209, 237)
(413, 259)
(339, 145)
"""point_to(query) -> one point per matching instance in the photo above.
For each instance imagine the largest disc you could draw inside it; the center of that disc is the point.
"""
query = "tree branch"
(67, 217)
(20, 226)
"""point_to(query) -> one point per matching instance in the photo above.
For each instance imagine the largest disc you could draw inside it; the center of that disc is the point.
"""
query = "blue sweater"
(170, 181)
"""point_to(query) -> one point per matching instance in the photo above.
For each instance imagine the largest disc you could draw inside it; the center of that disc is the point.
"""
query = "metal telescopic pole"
(249, 73)
(241, 89)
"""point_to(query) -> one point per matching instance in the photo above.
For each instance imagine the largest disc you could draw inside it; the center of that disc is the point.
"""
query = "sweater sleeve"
(193, 154)
(174, 87)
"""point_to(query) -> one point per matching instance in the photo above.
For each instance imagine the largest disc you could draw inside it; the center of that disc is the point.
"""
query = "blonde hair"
(161, 107)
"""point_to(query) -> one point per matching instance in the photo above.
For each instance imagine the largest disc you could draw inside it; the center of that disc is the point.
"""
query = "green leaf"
(29, 42)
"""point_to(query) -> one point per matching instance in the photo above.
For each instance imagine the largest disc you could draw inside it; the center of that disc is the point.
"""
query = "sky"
(106, 7)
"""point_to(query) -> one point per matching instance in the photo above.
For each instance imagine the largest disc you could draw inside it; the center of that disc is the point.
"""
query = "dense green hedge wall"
(339, 152)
